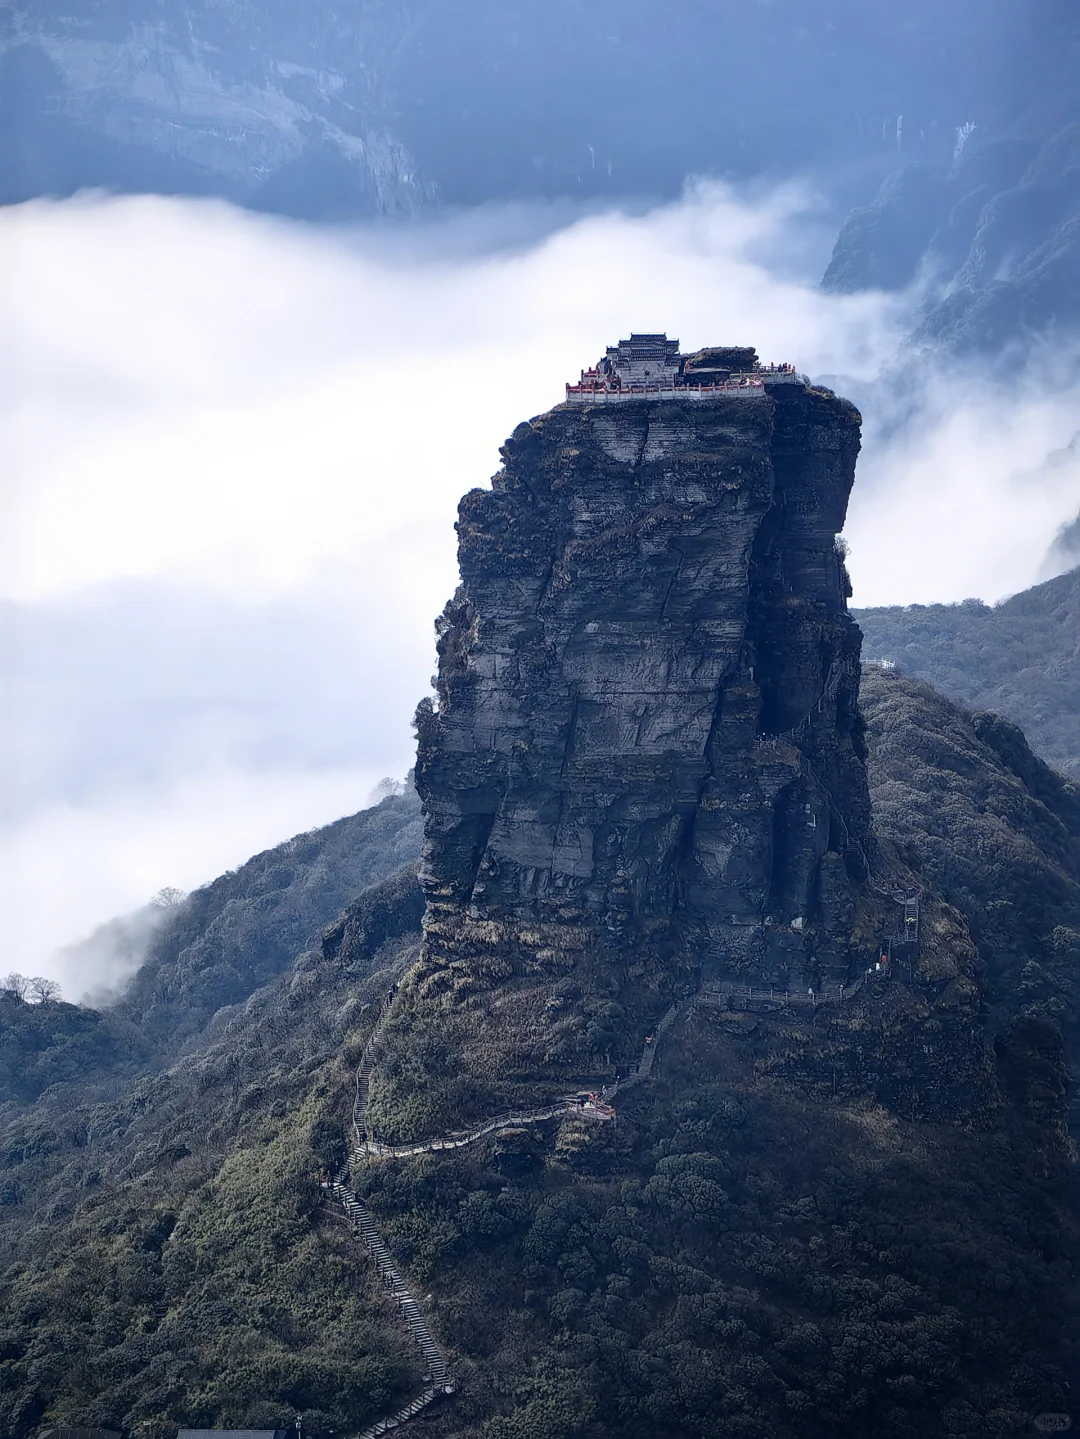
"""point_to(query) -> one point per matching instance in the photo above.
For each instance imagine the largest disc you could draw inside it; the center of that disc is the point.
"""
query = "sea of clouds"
(236, 444)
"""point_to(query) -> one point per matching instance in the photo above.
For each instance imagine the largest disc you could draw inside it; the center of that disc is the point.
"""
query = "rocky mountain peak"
(646, 739)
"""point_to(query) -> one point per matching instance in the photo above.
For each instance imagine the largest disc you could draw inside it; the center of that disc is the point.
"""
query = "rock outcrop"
(646, 736)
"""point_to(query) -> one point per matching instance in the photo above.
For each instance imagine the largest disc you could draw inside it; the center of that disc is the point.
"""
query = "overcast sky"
(235, 447)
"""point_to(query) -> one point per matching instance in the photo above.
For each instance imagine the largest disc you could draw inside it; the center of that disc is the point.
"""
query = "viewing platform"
(650, 367)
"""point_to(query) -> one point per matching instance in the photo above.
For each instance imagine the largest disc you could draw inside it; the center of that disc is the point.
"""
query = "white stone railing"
(512, 1119)
(719, 992)
(748, 386)
(599, 395)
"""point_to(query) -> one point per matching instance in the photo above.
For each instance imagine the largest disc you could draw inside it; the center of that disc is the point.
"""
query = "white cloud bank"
(964, 498)
(235, 447)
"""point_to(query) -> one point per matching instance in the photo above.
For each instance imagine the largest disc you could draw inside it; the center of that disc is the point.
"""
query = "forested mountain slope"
(164, 1252)
(994, 830)
(1020, 658)
(764, 1223)
(42, 1044)
(242, 930)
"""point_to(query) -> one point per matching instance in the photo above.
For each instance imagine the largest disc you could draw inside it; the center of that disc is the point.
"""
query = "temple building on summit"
(652, 365)
(642, 359)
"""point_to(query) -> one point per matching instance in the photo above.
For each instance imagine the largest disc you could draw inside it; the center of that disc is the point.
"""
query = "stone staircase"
(362, 1222)
(394, 1421)
(437, 1371)
(648, 1053)
(363, 1085)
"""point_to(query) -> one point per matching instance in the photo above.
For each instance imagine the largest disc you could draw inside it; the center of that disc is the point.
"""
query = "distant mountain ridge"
(182, 101)
(384, 109)
(995, 230)
(242, 930)
(960, 118)
(1020, 658)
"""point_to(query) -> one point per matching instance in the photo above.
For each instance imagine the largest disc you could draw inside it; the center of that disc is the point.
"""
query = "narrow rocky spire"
(646, 737)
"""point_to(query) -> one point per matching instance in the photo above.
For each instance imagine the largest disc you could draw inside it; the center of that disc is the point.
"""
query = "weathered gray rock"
(646, 733)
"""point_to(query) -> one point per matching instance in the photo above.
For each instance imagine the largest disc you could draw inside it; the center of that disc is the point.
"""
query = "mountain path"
(718, 993)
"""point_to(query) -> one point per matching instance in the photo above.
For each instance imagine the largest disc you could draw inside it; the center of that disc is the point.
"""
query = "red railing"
(589, 387)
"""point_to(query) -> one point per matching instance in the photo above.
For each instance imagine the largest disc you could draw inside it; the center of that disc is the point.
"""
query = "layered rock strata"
(646, 730)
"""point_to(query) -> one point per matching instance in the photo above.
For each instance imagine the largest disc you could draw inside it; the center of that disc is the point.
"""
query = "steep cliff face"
(646, 730)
